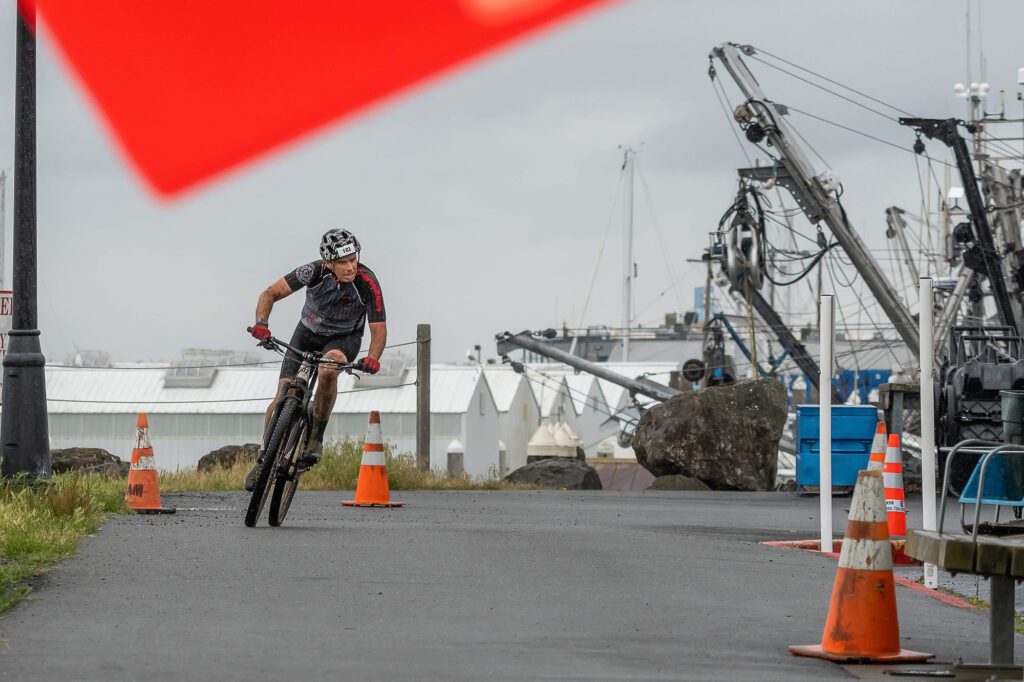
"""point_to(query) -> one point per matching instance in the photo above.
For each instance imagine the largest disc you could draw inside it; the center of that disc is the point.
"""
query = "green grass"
(40, 525)
(339, 470)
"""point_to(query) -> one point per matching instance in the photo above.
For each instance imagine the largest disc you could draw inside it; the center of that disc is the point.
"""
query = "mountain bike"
(287, 434)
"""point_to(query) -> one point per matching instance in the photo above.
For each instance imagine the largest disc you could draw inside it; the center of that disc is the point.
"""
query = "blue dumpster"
(853, 429)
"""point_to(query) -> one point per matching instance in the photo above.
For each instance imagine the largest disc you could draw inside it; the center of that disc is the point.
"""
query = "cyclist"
(342, 297)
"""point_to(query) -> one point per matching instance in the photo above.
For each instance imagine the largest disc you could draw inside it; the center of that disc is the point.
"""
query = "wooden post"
(423, 397)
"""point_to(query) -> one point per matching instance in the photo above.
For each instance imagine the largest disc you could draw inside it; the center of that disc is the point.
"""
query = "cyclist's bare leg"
(323, 403)
(327, 388)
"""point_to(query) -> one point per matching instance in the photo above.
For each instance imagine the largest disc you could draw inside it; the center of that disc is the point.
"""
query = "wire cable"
(834, 82)
(604, 242)
(661, 240)
(203, 402)
(859, 132)
(168, 366)
(729, 117)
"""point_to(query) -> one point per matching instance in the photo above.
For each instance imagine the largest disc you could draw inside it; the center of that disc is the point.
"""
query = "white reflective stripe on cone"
(892, 480)
(373, 459)
(868, 502)
(145, 463)
(866, 555)
(373, 434)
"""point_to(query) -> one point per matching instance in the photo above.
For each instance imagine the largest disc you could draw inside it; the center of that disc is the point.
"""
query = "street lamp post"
(23, 427)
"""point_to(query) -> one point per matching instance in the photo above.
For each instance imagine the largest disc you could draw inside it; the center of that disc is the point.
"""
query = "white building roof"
(580, 388)
(503, 382)
(546, 389)
(119, 390)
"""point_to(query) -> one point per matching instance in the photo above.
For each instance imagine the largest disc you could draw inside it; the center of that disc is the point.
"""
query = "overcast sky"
(482, 200)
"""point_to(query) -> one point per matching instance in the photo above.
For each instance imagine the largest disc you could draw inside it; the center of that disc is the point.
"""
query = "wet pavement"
(455, 586)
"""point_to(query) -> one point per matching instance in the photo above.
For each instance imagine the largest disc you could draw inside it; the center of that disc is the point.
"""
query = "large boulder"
(227, 456)
(678, 482)
(567, 473)
(87, 460)
(727, 436)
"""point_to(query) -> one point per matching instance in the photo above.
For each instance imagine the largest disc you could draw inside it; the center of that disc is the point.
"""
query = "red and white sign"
(6, 322)
(6, 319)
(191, 89)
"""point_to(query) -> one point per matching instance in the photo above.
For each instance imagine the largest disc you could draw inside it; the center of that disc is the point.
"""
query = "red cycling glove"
(261, 331)
(368, 365)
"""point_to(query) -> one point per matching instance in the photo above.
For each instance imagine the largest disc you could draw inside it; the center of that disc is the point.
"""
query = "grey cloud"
(483, 198)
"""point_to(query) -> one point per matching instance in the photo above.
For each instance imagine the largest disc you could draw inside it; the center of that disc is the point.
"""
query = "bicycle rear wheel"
(286, 485)
(271, 455)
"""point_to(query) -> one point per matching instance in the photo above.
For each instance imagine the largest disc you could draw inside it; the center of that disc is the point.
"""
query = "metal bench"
(1000, 559)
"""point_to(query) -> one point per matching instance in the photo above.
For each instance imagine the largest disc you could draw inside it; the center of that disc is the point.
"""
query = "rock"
(726, 436)
(226, 456)
(567, 473)
(678, 482)
(87, 460)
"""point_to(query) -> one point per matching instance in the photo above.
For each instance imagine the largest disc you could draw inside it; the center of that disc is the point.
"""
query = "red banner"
(192, 88)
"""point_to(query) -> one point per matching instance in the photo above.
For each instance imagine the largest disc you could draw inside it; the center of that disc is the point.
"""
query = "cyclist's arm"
(378, 339)
(271, 295)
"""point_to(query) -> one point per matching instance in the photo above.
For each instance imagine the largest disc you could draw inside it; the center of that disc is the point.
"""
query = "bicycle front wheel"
(285, 486)
(271, 455)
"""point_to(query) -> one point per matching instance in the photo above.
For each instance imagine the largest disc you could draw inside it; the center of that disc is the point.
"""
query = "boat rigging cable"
(661, 240)
(604, 242)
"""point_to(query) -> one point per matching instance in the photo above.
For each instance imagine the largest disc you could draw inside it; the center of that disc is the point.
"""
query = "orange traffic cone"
(143, 493)
(878, 448)
(372, 486)
(862, 624)
(895, 504)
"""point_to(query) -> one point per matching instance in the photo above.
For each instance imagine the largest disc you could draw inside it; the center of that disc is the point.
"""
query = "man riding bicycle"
(342, 297)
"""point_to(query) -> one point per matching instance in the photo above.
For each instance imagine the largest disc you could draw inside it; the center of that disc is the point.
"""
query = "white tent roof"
(119, 390)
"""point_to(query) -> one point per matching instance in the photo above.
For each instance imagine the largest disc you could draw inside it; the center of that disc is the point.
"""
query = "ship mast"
(628, 266)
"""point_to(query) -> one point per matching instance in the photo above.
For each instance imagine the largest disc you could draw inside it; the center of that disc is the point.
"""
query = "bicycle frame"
(302, 385)
(281, 468)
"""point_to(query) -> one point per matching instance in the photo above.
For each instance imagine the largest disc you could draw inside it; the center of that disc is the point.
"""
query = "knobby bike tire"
(271, 454)
(285, 486)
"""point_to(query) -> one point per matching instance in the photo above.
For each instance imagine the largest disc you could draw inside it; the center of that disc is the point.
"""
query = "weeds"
(338, 470)
(40, 525)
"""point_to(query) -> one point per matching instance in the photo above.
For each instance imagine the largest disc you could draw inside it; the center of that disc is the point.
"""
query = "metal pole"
(927, 390)
(508, 342)
(423, 397)
(1000, 620)
(825, 421)
(627, 263)
(23, 427)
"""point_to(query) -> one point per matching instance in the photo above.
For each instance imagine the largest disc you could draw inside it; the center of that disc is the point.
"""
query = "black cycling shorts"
(306, 340)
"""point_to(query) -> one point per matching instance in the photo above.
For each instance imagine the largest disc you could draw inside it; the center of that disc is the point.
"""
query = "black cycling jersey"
(332, 308)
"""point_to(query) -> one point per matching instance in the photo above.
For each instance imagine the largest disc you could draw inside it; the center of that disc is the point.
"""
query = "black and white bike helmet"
(338, 243)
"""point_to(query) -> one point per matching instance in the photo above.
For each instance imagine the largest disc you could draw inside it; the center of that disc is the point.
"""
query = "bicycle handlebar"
(314, 356)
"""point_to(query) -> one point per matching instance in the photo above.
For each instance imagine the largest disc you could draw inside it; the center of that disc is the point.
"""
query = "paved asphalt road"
(455, 586)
